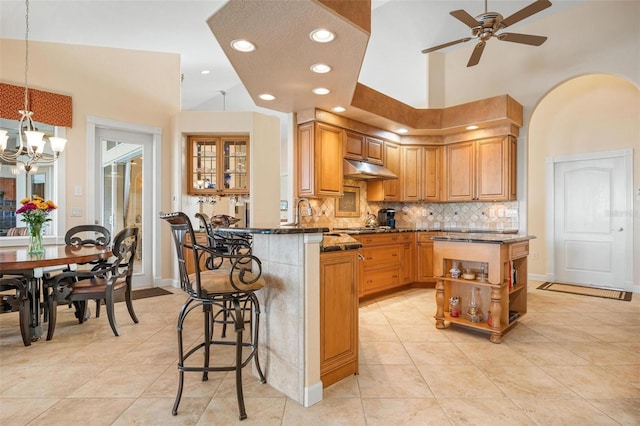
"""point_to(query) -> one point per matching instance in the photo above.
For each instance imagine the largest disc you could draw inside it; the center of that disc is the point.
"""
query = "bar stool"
(229, 291)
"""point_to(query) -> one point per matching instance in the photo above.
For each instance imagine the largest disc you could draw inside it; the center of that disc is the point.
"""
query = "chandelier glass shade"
(29, 151)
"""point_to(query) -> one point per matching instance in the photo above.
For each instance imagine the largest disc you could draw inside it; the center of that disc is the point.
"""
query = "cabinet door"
(431, 171)
(392, 187)
(235, 156)
(354, 146)
(202, 165)
(412, 173)
(460, 171)
(406, 264)
(328, 160)
(374, 152)
(338, 316)
(306, 164)
(492, 169)
(425, 261)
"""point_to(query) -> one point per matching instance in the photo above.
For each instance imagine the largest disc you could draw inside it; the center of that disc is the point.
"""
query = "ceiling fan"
(488, 24)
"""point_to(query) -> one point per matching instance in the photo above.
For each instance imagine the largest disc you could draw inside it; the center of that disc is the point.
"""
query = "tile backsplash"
(472, 215)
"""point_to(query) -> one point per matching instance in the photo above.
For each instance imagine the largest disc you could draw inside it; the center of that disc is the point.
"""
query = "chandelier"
(30, 151)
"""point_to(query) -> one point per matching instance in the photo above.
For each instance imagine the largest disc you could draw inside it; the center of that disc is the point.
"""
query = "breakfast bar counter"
(289, 327)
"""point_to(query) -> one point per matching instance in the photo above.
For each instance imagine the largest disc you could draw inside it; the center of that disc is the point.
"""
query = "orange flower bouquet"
(35, 212)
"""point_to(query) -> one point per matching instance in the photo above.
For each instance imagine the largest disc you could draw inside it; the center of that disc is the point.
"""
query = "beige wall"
(141, 88)
(587, 114)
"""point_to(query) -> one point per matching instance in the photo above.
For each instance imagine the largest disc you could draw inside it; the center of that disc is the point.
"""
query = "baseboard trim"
(312, 394)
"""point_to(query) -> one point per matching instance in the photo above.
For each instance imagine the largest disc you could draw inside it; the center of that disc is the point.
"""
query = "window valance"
(47, 107)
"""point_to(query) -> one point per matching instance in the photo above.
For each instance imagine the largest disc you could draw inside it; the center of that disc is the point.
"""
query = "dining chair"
(19, 301)
(105, 281)
(87, 235)
(226, 290)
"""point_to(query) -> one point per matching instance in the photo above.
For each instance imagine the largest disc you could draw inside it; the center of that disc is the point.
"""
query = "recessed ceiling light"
(205, 72)
(320, 68)
(322, 35)
(321, 91)
(338, 109)
(472, 127)
(243, 45)
(266, 97)
(402, 130)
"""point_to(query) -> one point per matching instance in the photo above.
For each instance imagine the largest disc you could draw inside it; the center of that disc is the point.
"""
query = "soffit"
(284, 52)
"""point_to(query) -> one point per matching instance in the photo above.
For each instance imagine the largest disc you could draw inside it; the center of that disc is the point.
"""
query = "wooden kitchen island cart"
(494, 268)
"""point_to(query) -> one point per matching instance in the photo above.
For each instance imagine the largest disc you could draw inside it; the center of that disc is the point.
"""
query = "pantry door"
(592, 225)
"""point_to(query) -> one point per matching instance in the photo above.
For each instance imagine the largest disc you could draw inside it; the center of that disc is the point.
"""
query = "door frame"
(627, 155)
(152, 247)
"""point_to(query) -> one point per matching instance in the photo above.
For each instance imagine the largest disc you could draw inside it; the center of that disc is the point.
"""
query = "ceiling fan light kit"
(487, 25)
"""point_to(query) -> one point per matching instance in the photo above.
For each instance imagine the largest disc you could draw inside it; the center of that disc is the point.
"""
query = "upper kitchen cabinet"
(388, 190)
(421, 169)
(320, 160)
(481, 170)
(363, 148)
(217, 165)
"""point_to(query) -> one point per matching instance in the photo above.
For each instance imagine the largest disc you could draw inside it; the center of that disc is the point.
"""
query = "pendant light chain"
(26, 58)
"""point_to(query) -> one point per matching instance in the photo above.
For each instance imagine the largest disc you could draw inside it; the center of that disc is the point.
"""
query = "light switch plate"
(76, 212)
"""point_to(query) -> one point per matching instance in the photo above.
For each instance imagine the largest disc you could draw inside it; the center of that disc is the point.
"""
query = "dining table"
(33, 267)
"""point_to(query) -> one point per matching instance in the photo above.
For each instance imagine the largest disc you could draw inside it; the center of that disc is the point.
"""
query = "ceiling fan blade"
(442, 46)
(465, 18)
(532, 40)
(526, 12)
(475, 55)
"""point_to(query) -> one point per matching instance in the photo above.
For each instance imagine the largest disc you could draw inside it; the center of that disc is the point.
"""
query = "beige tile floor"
(570, 360)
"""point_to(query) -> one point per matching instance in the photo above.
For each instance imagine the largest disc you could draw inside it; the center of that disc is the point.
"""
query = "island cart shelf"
(503, 292)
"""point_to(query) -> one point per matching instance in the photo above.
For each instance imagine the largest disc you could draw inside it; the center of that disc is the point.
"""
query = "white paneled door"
(592, 222)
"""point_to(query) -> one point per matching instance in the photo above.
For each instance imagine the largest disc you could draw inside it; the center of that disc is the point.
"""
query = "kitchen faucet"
(309, 210)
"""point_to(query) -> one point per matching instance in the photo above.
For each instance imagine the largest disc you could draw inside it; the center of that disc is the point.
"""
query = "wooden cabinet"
(8, 188)
(338, 316)
(217, 165)
(482, 170)
(363, 148)
(320, 156)
(201, 238)
(424, 256)
(503, 293)
(388, 190)
(387, 261)
(421, 169)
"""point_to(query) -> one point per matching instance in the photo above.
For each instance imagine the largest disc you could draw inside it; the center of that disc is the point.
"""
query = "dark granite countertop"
(483, 238)
(276, 230)
(338, 242)
(380, 230)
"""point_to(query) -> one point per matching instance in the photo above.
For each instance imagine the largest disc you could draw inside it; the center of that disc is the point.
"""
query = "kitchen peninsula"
(486, 276)
(289, 348)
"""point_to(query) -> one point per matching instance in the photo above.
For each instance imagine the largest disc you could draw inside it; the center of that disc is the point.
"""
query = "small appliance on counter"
(386, 217)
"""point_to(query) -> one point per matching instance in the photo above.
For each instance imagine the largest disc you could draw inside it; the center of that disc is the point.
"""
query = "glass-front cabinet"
(217, 165)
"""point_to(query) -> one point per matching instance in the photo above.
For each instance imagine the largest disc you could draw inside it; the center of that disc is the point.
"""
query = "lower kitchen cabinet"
(338, 315)
(387, 261)
(424, 258)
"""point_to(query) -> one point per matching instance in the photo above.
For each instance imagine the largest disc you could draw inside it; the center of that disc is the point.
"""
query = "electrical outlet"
(424, 212)
(534, 255)
(76, 212)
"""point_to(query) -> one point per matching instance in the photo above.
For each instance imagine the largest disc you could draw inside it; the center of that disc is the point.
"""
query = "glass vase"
(36, 245)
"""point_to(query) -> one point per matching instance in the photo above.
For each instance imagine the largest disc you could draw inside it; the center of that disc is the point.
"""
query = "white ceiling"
(393, 63)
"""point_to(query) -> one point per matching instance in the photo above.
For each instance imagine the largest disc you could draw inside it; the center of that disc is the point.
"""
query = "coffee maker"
(386, 217)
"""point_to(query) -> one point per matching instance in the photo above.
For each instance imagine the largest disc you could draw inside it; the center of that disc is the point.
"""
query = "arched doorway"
(582, 135)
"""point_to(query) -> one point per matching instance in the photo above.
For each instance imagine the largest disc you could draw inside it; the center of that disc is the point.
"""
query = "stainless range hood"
(354, 169)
